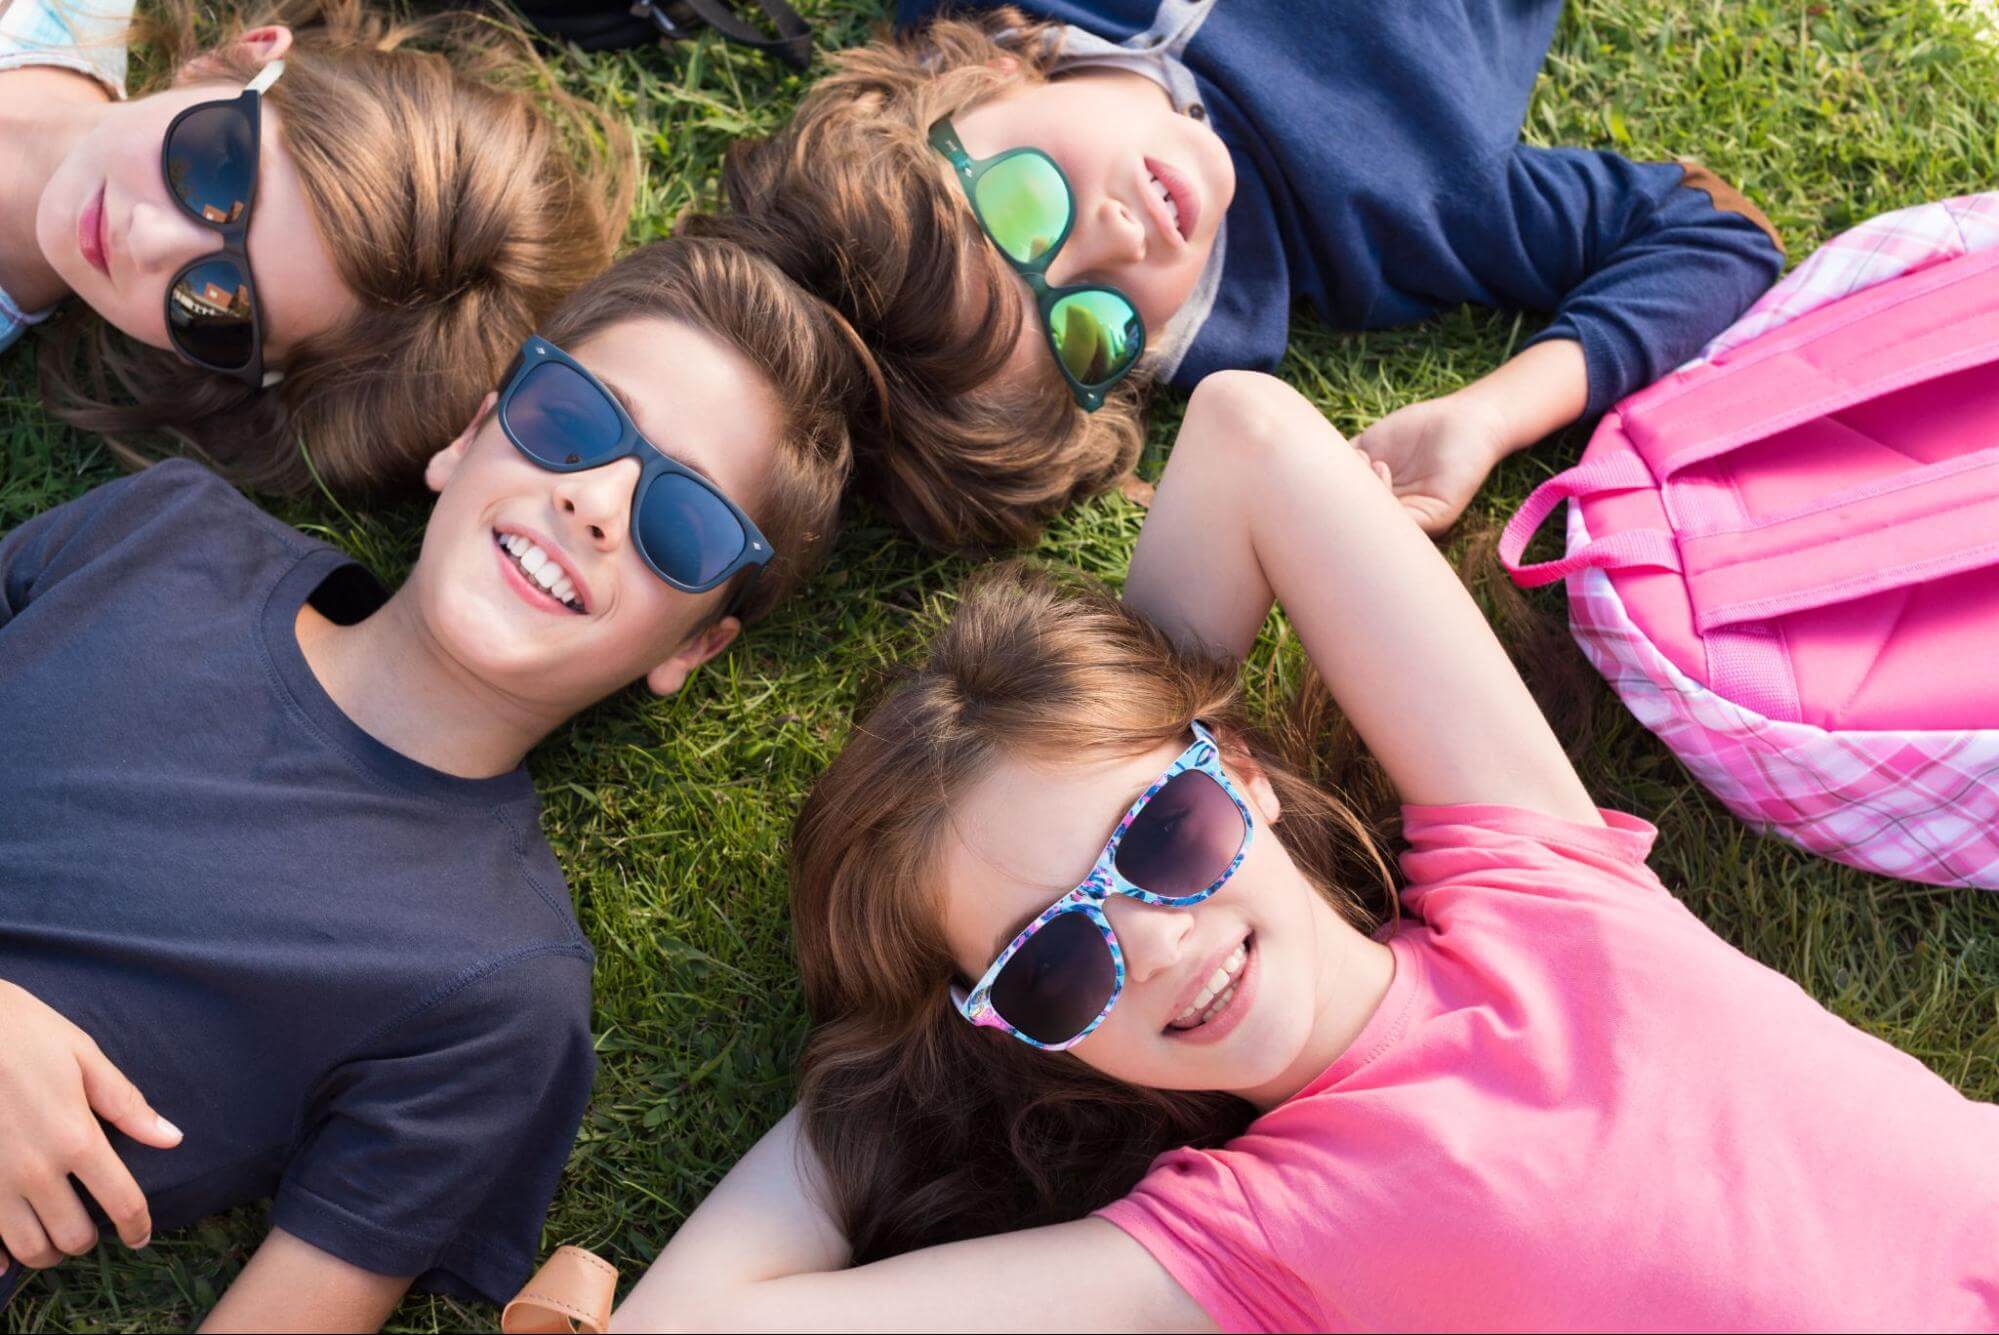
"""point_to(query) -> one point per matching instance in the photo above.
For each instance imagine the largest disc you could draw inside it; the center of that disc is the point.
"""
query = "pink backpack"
(1785, 556)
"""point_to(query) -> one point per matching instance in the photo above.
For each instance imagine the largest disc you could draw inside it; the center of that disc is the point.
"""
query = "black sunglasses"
(209, 162)
(565, 420)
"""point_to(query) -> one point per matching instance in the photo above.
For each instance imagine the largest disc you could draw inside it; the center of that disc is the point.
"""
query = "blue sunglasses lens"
(688, 532)
(1058, 982)
(560, 420)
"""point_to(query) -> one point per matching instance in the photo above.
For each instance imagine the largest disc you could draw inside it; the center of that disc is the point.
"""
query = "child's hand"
(1436, 455)
(54, 1085)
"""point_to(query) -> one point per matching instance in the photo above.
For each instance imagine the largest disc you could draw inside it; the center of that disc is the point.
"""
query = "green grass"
(671, 817)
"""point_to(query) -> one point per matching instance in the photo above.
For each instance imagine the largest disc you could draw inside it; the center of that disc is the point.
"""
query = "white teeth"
(1218, 992)
(541, 568)
(1166, 196)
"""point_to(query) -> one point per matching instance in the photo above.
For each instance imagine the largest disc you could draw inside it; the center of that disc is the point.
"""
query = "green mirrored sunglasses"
(1025, 207)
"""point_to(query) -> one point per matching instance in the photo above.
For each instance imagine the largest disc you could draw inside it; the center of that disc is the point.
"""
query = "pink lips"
(1185, 199)
(90, 238)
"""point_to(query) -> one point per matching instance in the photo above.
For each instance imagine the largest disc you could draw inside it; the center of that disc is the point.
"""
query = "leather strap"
(572, 1292)
(792, 45)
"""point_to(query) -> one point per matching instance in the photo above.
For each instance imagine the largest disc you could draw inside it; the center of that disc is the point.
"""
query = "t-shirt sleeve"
(1193, 1215)
(435, 1151)
(1639, 267)
(57, 543)
(1482, 848)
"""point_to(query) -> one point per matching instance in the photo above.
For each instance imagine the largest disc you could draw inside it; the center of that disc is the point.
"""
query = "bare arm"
(292, 1285)
(1262, 499)
(762, 1253)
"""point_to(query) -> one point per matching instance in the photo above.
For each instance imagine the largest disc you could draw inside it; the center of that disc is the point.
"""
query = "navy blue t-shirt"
(355, 983)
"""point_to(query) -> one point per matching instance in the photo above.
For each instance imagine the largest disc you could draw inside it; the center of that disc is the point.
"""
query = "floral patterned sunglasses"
(1179, 843)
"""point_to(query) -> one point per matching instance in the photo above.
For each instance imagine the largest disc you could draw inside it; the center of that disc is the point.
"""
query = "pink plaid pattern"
(1919, 805)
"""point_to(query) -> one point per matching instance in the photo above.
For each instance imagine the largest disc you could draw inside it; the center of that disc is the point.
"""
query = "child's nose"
(1153, 939)
(595, 504)
(1106, 237)
(160, 240)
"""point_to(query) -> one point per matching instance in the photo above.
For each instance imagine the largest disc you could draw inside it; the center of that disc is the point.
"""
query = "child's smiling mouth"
(540, 571)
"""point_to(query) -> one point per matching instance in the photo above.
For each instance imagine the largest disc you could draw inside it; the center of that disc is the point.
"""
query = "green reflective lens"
(1025, 204)
(1097, 334)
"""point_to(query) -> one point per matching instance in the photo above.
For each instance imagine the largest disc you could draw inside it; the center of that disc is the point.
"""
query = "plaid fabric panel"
(1919, 805)
(1923, 806)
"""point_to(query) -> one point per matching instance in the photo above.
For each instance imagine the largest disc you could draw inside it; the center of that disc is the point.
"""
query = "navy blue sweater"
(1380, 175)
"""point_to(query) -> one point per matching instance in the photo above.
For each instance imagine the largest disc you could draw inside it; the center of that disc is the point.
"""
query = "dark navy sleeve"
(33, 554)
(434, 1153)
(1638, 267)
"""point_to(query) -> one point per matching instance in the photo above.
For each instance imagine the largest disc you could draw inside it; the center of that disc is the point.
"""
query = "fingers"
(22, 1233)
(118, 1101)
(64, 1221)
(117, 1193)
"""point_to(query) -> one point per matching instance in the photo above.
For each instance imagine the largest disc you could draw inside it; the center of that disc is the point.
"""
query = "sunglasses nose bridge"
(598, 501)
(160, 239)
(1151, 937)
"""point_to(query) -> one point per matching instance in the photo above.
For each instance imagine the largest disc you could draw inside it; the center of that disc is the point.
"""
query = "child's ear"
(701, 646)
(260, 46)
(1006, 65)
(445, 462)
(1249, 776)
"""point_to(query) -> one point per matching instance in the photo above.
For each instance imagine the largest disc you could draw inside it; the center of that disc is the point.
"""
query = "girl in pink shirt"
(1079, 939)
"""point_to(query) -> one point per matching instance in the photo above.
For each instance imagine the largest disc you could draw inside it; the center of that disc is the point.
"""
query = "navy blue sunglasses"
(565, 420)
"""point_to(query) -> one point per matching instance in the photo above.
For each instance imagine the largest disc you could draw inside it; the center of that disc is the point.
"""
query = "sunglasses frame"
(654, 464)
(235, 234)
(944, 138)
(1203, 755)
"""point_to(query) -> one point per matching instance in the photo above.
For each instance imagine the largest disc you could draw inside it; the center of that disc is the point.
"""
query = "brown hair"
(854, 203)
(816, 366)
(461, 195)
(929, 1129)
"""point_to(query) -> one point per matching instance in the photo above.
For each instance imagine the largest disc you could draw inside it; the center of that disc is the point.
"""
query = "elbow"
(1248, 421)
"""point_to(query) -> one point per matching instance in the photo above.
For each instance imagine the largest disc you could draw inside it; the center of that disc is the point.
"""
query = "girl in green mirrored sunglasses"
(1025, 207)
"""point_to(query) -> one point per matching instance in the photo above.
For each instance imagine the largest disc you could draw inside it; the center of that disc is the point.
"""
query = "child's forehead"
(694, 394)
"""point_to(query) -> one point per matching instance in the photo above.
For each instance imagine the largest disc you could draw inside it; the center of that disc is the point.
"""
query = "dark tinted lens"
(211, 163)
(1058, 982)
(1183, 839)
(687, 531)
(1097, 334)
(561, 419)
(208, 314)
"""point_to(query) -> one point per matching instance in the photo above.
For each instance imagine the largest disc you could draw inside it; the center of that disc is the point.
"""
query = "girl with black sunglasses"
(224, 236)
(1118, 1027)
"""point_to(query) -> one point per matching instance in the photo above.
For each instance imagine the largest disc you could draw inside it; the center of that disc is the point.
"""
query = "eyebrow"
(631, 407)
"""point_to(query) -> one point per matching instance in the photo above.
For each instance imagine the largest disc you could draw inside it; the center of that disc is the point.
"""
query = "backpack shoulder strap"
(1905, 332)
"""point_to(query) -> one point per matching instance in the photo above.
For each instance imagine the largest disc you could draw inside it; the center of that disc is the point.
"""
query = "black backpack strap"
(676, 18)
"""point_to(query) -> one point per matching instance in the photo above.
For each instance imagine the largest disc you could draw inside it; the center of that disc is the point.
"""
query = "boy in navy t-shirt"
(269, 860)
(1224, 160)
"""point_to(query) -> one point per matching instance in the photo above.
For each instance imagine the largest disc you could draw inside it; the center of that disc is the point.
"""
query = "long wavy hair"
(931, 1130)
(850, 199)
(462, 195)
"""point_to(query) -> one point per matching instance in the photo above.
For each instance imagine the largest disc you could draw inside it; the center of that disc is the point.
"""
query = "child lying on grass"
(270, 862)
(1078, 938)
(1023, 218)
